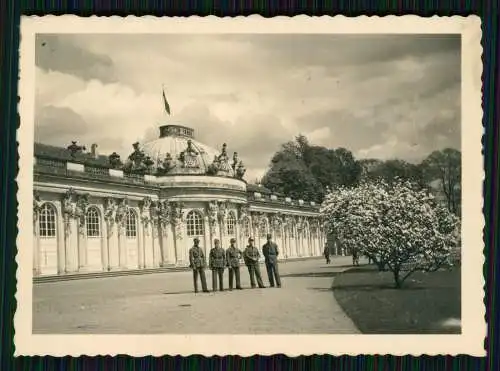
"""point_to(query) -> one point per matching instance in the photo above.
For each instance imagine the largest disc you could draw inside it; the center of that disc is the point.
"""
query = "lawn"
(425, 303)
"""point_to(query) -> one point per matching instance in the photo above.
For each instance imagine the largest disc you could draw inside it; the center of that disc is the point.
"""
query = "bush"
(399, 225)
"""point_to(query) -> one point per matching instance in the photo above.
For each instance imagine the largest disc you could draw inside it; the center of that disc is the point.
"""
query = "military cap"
(232, 240)
(250, 239)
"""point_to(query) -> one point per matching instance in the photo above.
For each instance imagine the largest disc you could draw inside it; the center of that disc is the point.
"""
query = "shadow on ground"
(312, 274)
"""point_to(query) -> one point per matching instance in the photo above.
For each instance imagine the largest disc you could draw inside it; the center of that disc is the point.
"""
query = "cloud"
(378, 95)
(55, 53)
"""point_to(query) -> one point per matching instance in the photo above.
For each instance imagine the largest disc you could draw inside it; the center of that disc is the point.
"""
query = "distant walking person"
(217, 263)
(270, 251)
(197, 263)
(326, 252)
(355, 257)
(251, 256)
(233, 256)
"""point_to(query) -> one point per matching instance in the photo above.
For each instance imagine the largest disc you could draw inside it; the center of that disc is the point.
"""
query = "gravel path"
(165, 303)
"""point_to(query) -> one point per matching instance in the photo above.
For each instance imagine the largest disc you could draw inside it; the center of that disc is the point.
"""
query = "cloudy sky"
(380, 96)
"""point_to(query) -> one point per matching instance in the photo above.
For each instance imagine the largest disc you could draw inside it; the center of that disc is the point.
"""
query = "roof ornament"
(75, 149)
(189, 157)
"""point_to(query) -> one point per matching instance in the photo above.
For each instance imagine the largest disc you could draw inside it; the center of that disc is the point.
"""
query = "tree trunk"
(397, 279)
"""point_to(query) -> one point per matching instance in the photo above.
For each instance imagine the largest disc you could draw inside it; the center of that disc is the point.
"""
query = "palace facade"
(96, 213)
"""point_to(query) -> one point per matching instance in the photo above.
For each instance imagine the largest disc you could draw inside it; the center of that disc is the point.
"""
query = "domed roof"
(177, 152)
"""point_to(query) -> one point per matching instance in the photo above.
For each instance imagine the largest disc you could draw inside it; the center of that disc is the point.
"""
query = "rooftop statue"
(223, 160)
(189, 157)
(74, 148)
(114, 160)
(240, 170)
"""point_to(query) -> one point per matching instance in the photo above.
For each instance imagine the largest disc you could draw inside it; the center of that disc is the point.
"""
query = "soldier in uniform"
(251, 256)
(197, 264)
(270, 251)
(217, 263)
(233, 256)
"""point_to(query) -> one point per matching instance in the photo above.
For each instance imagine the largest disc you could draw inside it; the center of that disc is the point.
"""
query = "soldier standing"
(217, 263)
(270, 251)
(233, 256)
(197, 264)
(251, 256)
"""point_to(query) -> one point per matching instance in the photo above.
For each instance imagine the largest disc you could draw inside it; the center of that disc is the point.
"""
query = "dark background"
(10, 11)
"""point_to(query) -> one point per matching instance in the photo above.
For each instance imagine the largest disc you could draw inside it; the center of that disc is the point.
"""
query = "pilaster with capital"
(176, 220)
(112, 251)
(82, 203)
(71, 225)
(167, 236)
(37, 205)
(154, 212)
(222, 212)
(120, 220)
(146, 256)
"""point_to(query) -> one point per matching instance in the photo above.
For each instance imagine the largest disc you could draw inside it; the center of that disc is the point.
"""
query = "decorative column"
(104, 240)
(147, 241)
(81, 209)
(243, 213)
(121, 219)
(212, 213)
(37, 204)
(154, 212)
(167, 235)
(70, 231)
(112, 255)
(222, 211)
(177, 218)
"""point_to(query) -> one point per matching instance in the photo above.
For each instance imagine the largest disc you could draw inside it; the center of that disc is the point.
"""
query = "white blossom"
(398, 225)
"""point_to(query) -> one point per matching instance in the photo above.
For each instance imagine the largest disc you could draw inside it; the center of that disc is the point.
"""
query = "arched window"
(194, 224)
(47, 221)
(131, 224)
(247, 230)
(93, 222)
(231, 224)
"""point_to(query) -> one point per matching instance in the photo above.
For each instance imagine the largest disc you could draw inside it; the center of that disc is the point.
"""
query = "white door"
(132, 240)
(48, 239)
(94, 239)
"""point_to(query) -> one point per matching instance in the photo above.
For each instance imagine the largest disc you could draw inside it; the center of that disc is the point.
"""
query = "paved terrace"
(164, 303)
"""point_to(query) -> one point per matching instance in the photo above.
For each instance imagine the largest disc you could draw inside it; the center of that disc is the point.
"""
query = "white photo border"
(474, 327)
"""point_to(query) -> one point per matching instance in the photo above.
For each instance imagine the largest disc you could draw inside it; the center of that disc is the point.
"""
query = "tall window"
(194, 224)
(231, 223)
(131, 224)
(93, 223)
(246, 227)
(47, 221)
(292, 230)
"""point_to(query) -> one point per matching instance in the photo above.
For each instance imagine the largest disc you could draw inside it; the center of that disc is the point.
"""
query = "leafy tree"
(321, 168)
(289, 175)
(444, 167)
(390, 170)
(399, 225)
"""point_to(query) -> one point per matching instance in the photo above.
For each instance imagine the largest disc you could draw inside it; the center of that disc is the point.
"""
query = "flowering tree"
(399, 226)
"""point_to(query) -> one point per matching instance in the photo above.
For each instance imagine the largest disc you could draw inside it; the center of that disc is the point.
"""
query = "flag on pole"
(165, 102)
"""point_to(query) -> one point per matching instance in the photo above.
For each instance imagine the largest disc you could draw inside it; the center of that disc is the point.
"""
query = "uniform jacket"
(270, 251)
(196, 257)
(217, 258)
(233, 256)
(251, 255)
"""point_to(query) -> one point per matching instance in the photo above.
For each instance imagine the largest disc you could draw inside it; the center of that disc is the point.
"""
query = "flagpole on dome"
(166, 106)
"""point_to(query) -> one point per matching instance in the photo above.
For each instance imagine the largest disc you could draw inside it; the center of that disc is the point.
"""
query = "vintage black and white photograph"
(251, 183)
